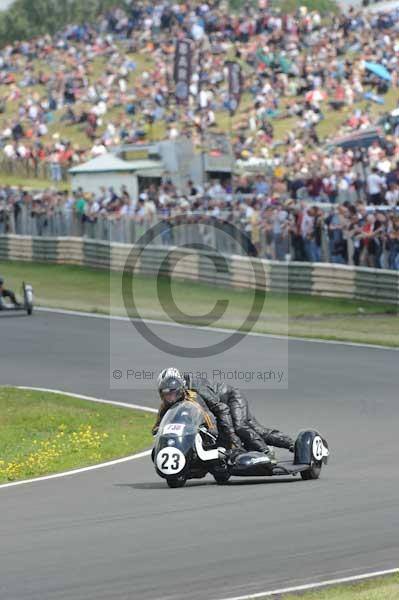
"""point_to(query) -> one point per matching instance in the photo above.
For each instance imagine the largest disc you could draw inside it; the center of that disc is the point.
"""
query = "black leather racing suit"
(225, 425)
(207, 397)
(251, 433)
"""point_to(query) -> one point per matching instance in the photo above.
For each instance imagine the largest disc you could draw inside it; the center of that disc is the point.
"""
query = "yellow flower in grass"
(46, 452)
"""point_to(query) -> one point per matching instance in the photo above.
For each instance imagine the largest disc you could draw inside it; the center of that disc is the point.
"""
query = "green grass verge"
(32, 183)
(81, 288)
(325, 7)
(381, 588)
(43, 433)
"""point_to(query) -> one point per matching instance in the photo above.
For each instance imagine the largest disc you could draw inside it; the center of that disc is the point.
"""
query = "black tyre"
(313, 473)
(176, 483)
(28, 298)
(221, 477)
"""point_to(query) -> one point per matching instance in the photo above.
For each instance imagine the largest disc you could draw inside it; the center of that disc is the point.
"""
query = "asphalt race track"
(120, 533)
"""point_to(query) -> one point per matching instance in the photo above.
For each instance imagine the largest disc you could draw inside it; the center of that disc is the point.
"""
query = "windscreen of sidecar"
(184, 418)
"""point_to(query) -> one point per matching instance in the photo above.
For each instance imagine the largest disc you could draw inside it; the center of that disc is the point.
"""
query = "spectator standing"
(375, 187)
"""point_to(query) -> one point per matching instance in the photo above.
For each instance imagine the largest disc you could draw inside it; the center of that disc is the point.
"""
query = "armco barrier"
(3, 247)
(324, 279)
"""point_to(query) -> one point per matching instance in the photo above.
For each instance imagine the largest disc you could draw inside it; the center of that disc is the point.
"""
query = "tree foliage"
(26, 19)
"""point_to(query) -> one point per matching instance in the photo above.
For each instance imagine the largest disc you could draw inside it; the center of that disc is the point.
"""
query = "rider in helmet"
(7, 294)
(251, 433)
(173, 388)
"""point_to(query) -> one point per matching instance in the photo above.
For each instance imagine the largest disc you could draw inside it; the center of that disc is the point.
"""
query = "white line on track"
(216, 329)
(92, 467)
(312, 586)
(90, 398)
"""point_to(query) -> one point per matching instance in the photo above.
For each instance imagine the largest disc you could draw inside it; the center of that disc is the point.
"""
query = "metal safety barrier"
(323, 279)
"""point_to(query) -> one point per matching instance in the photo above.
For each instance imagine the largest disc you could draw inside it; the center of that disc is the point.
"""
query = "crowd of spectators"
(277, 225)
(112, 82)
(85, 77)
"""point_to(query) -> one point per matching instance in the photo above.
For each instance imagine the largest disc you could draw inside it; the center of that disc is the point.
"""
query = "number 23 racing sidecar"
(186, 448)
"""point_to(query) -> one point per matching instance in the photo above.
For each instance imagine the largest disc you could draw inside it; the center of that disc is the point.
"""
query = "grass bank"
(43, 433)
(381, 588)
(32, 183)
(81, 288)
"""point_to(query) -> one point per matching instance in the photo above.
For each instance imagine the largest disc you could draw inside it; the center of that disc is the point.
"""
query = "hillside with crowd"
(72, 95)
(69, 96)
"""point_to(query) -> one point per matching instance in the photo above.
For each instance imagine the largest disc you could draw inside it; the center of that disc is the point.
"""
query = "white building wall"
(92, 182)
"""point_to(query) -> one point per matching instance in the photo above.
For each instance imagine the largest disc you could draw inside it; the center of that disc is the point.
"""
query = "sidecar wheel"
(313, 473)
(221, 479)
(221, 476)
(176, 483)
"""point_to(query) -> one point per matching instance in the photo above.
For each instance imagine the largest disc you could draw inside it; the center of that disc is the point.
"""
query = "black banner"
(182, 70)
(234, 75)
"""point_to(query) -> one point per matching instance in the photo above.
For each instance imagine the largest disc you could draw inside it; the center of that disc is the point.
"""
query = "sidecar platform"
(289, 468)
(257, 464)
